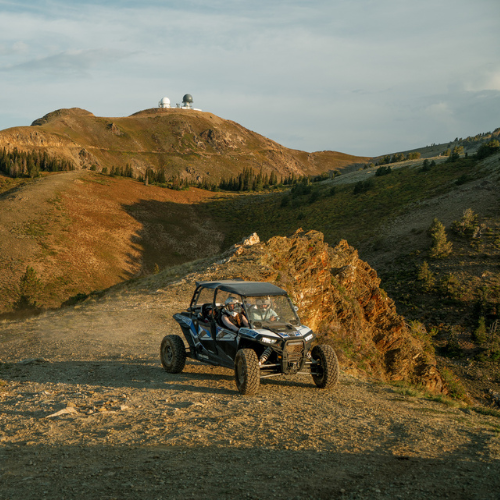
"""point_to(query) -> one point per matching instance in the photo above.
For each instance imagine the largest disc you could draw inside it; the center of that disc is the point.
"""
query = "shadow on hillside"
(171, 234)
(155, 469)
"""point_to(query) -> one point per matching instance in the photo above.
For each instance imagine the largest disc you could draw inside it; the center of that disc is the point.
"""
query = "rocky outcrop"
(339, 296)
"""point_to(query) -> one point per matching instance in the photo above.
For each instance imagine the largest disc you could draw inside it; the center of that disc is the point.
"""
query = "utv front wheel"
(325, 370)
(246, 371)
(173, 354)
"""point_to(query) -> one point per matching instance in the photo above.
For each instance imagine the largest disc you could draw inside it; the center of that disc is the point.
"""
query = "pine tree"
(426, 276)
(29, 290)
(441, 247)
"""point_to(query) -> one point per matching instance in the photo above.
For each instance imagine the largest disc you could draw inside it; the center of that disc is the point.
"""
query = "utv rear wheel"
(173, 354)
(246, 371)
(325, 371)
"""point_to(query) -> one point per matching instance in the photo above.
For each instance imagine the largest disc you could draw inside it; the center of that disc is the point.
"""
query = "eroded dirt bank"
(130, 430)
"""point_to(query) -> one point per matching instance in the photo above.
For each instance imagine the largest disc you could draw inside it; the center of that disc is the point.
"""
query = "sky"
(364, 77)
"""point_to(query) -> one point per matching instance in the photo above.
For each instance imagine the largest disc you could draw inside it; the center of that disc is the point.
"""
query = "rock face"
(338, 295)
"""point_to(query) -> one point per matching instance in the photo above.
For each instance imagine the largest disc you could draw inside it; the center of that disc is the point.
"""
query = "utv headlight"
(267, 340)
(308, 337)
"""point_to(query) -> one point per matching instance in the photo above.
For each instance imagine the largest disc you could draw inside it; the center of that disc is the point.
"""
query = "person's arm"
(272, 315)
(244, 319)
(228, 323)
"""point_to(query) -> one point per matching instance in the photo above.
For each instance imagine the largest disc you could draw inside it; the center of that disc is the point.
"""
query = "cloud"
(361, 77)
(73, 62)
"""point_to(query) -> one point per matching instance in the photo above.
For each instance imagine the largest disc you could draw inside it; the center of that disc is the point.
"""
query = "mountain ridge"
(191, 144)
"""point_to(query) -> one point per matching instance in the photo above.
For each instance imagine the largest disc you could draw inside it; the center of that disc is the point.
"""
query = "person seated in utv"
(262, 311)
(207, 313)
(232, 317)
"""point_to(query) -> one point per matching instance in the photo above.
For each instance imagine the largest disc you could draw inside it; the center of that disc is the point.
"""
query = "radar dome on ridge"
(187, 98)
(164, 103)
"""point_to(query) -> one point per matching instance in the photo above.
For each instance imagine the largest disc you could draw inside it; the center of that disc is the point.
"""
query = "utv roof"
(245, 288)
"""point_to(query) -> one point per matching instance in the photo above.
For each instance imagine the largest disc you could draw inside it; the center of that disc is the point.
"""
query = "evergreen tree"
(29, 290)
(440, 247)
(426, 276)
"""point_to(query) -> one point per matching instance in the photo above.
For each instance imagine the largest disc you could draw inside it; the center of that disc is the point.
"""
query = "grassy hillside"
(82, 231)
(193, 145)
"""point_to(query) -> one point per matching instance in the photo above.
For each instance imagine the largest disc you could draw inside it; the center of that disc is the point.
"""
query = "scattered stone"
(64, 411)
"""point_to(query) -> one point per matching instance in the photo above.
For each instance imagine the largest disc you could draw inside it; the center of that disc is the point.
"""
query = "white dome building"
(164, 103)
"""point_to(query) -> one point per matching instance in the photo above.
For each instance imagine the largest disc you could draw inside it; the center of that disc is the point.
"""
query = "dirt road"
(87, 412)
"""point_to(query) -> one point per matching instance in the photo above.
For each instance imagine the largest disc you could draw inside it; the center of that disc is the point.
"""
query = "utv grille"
(294, 347)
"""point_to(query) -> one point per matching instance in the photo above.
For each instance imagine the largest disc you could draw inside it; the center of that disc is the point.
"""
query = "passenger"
(207, 313)
(230, 317)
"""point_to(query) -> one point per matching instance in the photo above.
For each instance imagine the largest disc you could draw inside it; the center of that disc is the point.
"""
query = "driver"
(231, 317)
(262, 311)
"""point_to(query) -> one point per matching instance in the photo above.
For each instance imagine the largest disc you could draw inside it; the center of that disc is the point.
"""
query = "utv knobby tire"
(247, 371)
(173, 354)
(326, 369)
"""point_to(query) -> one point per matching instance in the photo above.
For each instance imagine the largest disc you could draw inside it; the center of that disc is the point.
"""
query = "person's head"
(231, 303)
(263, 304)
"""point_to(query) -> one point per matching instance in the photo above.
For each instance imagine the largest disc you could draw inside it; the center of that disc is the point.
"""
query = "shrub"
(426, 276)
(455, 387)
(363, 186)
(383, 171)
(451, 287)
(29, 290)
(285, 201)
(426, 166)
(441, 247)
(301, 189)
(480, 333)
(466, 226)
(488, 149)
(315, 196)
(463, 179)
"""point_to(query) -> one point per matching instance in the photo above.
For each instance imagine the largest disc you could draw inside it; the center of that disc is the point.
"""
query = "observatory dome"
(187, 98)
(164, 103)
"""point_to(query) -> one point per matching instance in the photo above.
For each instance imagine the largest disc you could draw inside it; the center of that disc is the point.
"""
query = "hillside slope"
(191, 144)
(82, 231)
